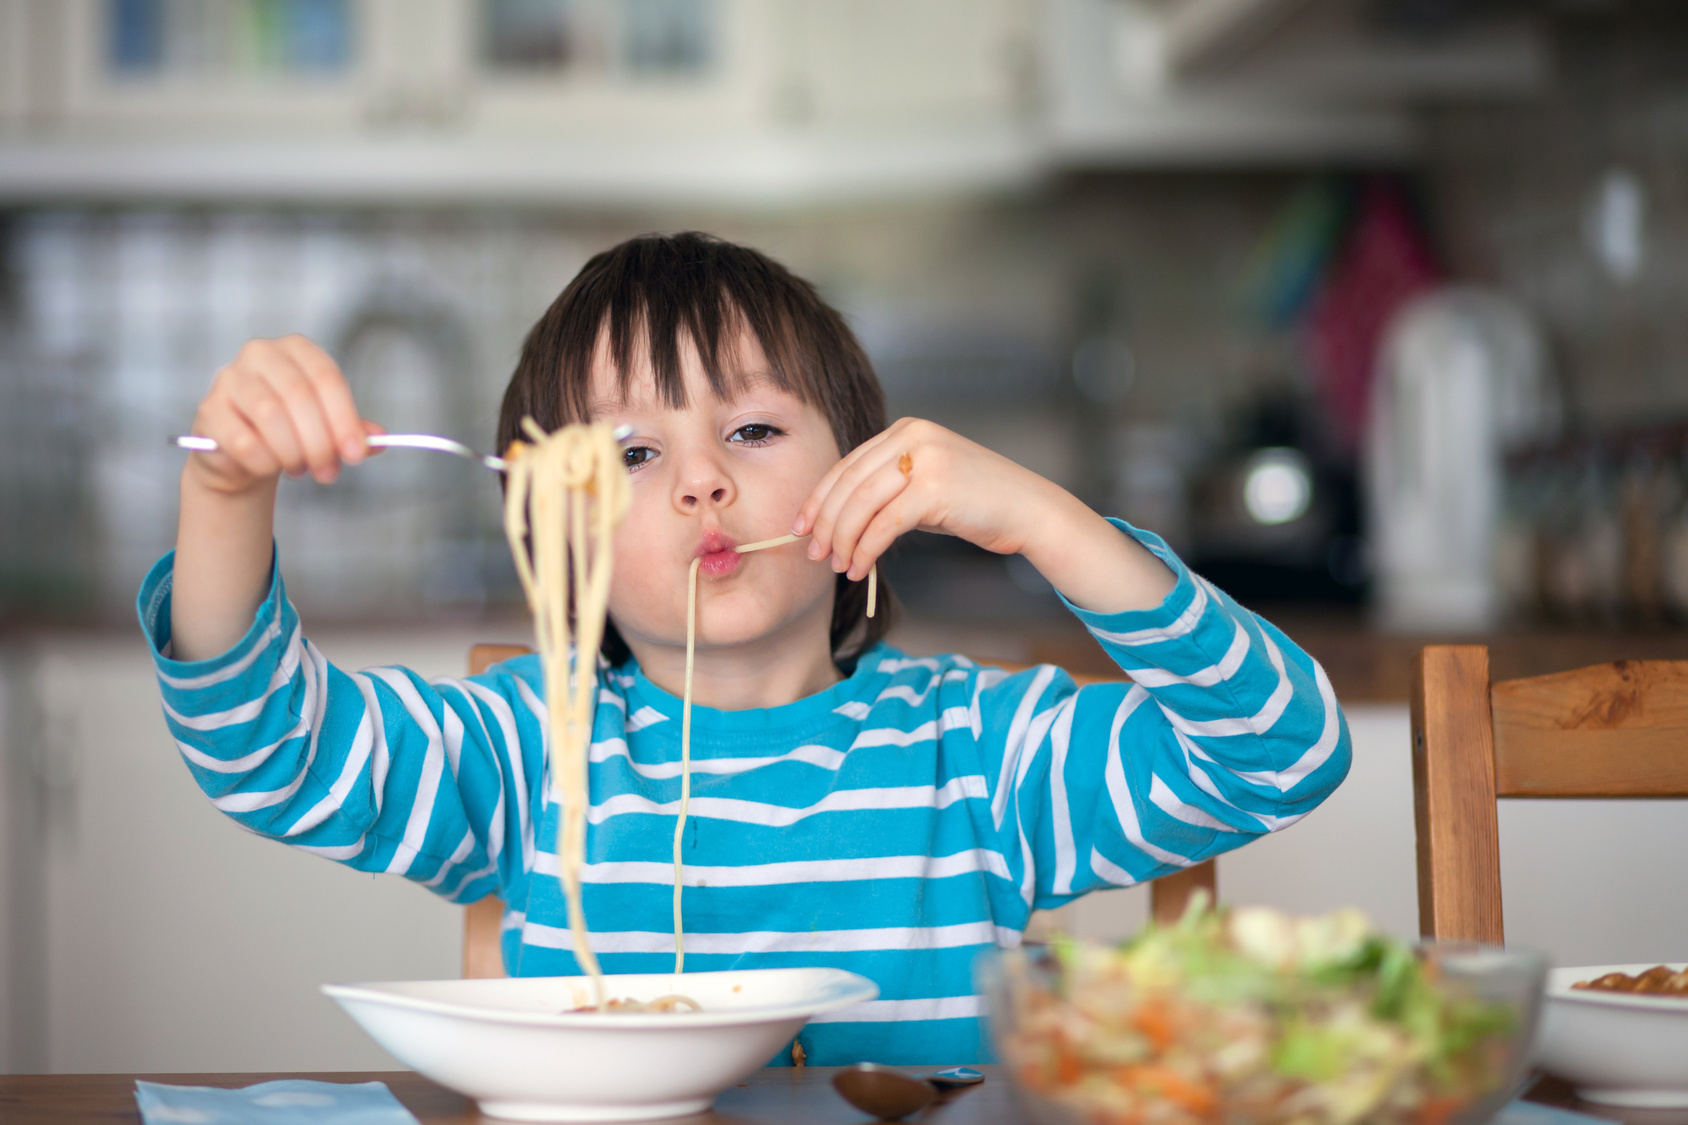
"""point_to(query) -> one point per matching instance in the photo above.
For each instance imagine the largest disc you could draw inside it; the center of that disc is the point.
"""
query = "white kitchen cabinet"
(783, 102)
(171, 939)
(791, 101)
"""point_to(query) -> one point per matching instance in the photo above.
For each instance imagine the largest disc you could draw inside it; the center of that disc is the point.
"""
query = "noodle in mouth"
(686, 721)
(565, 492)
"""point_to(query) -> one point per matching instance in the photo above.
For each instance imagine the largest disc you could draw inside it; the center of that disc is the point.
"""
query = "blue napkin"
(1521, 1112)
(291, 1101)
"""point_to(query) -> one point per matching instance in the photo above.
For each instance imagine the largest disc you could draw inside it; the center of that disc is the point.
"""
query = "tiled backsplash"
(967, 308)
(1521, 196)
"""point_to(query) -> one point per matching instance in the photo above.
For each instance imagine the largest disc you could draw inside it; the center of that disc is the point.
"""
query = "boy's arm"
(281, 406)
(1225, 731)
(380, 769)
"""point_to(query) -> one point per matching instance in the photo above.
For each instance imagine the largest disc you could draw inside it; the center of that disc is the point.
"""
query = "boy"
(850, 806)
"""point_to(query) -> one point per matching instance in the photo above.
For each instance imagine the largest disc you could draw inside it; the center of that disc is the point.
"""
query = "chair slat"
(1170, 894)
(483, 925)
(1625, 695)
(482, 657)
(1590, 763)
(1608, 730)
(1454, 796)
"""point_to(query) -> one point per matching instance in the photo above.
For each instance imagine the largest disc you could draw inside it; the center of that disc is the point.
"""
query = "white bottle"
(1461, 377)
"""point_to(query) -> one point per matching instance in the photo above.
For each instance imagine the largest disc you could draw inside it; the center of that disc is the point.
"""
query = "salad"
(1250, 1015)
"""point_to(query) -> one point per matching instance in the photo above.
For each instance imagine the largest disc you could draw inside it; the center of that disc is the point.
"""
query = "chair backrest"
(483, 920)
(1609, 730)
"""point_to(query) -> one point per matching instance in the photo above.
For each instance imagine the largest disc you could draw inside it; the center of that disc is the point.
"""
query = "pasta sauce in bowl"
(1616, 1042)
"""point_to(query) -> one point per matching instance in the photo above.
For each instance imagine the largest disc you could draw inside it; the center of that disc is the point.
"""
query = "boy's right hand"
(282, 406)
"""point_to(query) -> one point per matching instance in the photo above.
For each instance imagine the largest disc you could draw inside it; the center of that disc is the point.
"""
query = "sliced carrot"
(1436, 1111)
(1163, 1081)
(1155, 1021)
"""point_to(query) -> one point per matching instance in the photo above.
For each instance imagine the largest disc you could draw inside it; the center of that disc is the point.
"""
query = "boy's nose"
(703, 482)
(716, 495)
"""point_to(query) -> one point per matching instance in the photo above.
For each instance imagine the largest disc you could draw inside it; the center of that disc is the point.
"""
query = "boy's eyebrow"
(740, 382)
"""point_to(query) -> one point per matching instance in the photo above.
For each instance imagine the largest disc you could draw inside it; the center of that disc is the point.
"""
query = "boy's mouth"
(719, 558)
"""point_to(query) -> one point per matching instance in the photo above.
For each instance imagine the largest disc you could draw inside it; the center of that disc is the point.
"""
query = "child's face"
(714, 474)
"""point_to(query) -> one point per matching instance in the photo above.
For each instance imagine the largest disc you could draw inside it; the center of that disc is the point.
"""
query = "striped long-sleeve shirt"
(895, 824)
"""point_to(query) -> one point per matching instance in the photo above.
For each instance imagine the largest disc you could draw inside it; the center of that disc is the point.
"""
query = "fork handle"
(199, 444)
(434, 442)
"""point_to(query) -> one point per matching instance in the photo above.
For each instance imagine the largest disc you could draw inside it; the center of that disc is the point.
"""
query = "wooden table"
(771, 1096)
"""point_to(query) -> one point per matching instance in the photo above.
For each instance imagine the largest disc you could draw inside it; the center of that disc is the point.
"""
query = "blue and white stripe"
(896, 824)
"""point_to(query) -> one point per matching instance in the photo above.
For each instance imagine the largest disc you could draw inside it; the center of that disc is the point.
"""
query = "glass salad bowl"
(1247, 1015)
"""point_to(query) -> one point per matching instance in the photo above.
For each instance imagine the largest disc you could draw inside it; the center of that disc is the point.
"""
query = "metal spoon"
(889, 1094)
(394, 441)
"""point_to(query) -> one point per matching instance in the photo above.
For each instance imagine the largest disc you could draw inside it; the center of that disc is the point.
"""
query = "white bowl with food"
(524, 1049)
(1627, 1048)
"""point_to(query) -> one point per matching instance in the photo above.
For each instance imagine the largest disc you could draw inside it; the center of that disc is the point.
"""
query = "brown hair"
(646, 293)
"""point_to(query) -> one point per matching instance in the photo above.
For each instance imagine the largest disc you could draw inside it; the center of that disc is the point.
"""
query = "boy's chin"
(731, 630)
(727, 627)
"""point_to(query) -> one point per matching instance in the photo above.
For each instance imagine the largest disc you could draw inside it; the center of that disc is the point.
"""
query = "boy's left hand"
(918, 476)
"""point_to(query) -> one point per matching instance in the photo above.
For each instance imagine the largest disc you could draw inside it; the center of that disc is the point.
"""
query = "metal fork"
(394, 441)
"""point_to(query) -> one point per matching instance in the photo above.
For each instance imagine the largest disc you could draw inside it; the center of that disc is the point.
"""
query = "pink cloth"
(1384, 262)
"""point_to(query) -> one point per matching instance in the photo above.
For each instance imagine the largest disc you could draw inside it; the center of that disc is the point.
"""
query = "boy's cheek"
(640, 601)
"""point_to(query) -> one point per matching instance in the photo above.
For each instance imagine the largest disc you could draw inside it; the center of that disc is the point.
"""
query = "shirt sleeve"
(381, 769)
(1223, 731)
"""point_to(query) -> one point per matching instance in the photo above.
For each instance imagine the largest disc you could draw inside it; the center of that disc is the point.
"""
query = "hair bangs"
(646, 304)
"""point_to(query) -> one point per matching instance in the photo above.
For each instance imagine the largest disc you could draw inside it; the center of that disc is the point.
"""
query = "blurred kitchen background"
(1373, 308)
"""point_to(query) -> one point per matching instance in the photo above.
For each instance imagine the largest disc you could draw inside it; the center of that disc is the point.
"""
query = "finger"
(864, 503)
(238, 443)
(306, 411)
(340, 409)
(840, 496)
(265, 411)
(899, 516)
(370, 429)
(811, 507)
(848, 480)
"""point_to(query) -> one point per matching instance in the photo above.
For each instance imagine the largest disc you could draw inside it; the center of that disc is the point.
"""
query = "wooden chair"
(1609, 730)
(483, 921)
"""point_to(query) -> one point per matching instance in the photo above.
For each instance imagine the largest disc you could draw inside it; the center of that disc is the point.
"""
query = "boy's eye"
(754, 433)
(636, 456)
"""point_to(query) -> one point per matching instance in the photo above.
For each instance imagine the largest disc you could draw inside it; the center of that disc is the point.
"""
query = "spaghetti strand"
(565, 492)
(686, 727)
(685, 768)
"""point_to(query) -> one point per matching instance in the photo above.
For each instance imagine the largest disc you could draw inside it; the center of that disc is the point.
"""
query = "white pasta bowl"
(1615, 1047)
(516, 1046)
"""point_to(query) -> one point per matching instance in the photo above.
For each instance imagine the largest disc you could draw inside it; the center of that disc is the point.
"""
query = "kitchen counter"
(1366, 666)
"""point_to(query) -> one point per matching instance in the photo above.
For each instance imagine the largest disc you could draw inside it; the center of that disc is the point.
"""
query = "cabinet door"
(174, 941)
(192, 64)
